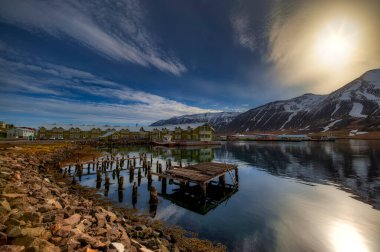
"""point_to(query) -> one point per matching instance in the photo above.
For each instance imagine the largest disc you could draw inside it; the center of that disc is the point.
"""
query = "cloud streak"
(61, 93)
(114, 30)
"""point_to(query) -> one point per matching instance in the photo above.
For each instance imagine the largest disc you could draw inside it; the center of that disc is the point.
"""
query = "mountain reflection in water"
(353, 165)
(293, 196)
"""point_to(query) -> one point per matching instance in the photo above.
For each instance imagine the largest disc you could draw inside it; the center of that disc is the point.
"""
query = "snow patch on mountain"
(356, 110)
(217, 120)
(330, 125)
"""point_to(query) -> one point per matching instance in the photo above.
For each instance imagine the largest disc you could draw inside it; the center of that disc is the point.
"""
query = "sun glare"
(346, 238)
(335, 45)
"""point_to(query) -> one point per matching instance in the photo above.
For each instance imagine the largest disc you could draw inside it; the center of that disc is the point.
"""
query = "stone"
(12, 195)
(72, 220)
(3, 239)
(33, 217)
(163, 248)
(82, 237)
(2, 227)
(124, 239)
(4, 205)
(81, 227)
(35, 243)
(101, 219)
(140, 227)
(54, 203)
(12, 248)
(14, 232)
(63, 232)
(111, 216)
(92, 250)
(36, 232)
(118, 246)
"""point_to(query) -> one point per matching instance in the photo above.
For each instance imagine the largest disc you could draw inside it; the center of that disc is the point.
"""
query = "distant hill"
(217, 120)
(355, 104)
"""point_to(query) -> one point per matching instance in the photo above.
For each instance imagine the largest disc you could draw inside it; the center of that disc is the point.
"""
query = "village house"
(21, 132)
(185, 132)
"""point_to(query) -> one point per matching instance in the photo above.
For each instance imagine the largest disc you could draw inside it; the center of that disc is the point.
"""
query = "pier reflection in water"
(304, 196)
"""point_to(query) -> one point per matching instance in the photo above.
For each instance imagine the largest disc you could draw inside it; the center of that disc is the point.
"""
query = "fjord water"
(293, 196)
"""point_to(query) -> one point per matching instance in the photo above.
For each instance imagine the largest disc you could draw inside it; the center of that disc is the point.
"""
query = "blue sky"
(127, 62)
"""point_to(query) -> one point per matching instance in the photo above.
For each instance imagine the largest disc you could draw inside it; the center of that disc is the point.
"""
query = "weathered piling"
(139, 176)
(222, 180)
(107, 180)
(120, 195)
(134, 194)
(163, 185)
(121, 182)
(153, 199)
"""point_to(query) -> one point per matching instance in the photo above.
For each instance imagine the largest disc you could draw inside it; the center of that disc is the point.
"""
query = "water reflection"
(303, 196)
(354, 165)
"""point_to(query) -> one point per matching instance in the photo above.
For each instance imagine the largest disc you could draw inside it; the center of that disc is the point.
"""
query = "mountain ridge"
(355, 104)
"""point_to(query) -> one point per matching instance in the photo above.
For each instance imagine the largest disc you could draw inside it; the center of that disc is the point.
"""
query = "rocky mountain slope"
(357, 103)
(217, 120)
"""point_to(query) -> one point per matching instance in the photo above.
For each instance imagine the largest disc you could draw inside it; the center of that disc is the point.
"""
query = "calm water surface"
(303, 196)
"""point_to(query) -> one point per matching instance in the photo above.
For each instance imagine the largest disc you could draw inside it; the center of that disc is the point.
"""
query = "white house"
(21, 132)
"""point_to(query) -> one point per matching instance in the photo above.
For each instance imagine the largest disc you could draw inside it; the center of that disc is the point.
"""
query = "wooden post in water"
(163, 185)
(134, 194)
(99, 175)
(107, 183)
(222, 180)
(204, 189)
(121, 182)
(139, 176)
(153, 199)
(237, 175)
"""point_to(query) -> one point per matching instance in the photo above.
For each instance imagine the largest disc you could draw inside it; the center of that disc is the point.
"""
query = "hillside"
(217, 120)
(354, 105)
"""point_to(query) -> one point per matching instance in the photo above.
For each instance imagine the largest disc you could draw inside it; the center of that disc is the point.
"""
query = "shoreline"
(43, 211)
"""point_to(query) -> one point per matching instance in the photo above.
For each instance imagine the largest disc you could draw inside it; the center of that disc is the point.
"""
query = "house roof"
(118, 128)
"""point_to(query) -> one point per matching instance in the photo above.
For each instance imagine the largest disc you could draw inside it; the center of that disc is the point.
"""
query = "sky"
(133, 62)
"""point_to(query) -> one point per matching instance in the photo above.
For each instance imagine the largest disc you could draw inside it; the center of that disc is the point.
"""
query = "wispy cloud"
(242, 31)
(56, 92)
(115, 30)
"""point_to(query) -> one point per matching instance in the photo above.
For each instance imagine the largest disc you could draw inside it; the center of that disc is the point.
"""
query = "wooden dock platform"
(201, 174)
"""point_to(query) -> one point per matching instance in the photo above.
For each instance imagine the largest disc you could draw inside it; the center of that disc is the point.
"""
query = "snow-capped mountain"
(357, 103)
(217, 120)
(277, 115)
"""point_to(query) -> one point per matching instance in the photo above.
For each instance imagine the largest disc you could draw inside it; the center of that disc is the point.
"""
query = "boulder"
(76, 234)
(33, 217)
(118, 246)
(3, 239)
(100, 219)
(36, 232)
(14, 232)
(36, 244)
(111, 217)
(72, 220)
(12, 248)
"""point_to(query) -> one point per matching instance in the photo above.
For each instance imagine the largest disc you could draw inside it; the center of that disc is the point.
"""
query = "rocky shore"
(42, 211)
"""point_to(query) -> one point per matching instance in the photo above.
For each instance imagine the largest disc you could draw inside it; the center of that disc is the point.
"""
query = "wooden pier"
(201, 174)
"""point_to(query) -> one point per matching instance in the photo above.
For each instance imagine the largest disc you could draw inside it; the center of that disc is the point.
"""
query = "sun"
(335, 45)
